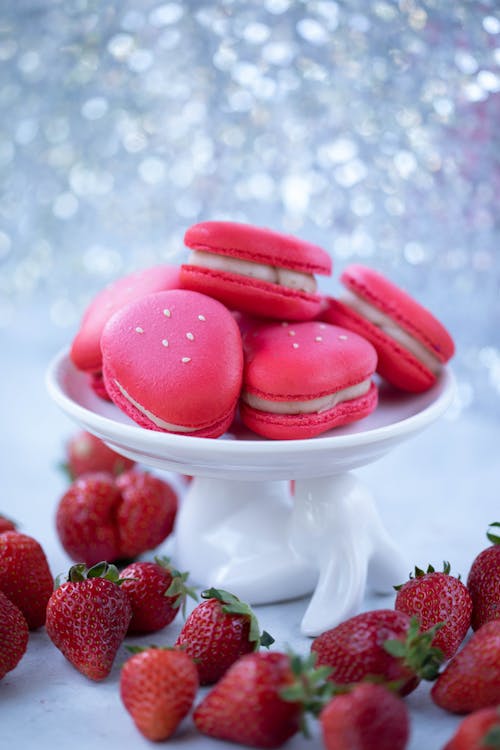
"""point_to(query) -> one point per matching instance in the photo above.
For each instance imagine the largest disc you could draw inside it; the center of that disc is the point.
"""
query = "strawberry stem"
(494, 539)
(311, 688)
(178, 587)
(231, 605)
(416, 651)
(79, 572)
(492, 738)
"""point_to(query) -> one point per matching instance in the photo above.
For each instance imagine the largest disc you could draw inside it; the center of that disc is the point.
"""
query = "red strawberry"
(479, 730)
(437, 597)
(88, 617)
(483, 583)
(471, 680)
(146, 514)
(6, 524)
(369, 717)
(86, 453)
(260, 701)
(13, 635)
(382, 643)
(25, 576)
(86, 519)
(101, 517)
(156, 591)
(218, 631)
(158, 688)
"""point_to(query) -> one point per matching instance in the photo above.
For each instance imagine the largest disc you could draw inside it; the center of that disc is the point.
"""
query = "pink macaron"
(256, 270)
(302, 379)
(173, 362)
(412, 345)
(85, 350)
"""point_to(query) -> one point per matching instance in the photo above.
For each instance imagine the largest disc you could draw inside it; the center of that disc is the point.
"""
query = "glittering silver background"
(368, 126)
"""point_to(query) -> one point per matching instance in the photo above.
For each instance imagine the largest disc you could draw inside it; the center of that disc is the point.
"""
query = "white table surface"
(436, 493)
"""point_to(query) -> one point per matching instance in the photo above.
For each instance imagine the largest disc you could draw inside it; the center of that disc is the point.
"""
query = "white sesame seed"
(291, 333)
(190, 336)
(139, 330)
(319, 338)
(322, 325)
(185, 360)
(165, 342)
(167, 313)
(343, 337)
(201, 317)
(295, 346)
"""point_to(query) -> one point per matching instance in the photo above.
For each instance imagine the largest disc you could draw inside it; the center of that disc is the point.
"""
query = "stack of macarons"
(242, 326)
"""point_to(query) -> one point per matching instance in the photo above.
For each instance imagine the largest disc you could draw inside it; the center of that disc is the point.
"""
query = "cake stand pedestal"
(243, 526)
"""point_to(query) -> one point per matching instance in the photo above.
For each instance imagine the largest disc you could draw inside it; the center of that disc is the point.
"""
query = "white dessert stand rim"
(397, 417)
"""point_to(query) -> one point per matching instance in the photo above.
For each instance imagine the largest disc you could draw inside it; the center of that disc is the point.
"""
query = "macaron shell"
(251, 296)
(214, 430)
(305, 360)
(300, 362)
(409, 314)
(96, 382)
(301, 426)
(85, 350)
(395, 363)
(259, 245)
(178, 354)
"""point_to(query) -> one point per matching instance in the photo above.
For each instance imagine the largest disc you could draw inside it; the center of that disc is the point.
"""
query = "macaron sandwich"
(173, 362)
(302, 379)
(411, 344)
(85, 349)
(255, 270)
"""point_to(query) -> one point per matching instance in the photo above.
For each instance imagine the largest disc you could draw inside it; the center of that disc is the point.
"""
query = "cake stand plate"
(243, 526)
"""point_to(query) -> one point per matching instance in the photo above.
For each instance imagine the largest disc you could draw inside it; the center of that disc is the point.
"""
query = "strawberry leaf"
(492, 738)
(178, 587)
(494, 539)
(417, 651)
(310, 687)
(79, 572)
(266, 639)
(231, 605)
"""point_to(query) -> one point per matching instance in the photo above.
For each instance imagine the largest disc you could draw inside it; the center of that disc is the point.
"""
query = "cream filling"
(312, 406)
(149, 414)
(304, 282)
(386, 324)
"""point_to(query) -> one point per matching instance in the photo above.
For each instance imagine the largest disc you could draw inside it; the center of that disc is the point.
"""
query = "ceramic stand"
(266, 544)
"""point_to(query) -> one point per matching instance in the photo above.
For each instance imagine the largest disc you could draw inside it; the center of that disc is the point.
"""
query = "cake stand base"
(264, 543)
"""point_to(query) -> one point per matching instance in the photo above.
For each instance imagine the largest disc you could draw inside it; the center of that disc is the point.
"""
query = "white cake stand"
(244, 528)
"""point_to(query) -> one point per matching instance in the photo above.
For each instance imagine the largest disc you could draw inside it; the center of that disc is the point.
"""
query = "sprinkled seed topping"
(139, 330)
(165, 342)
(295, 345)
(190, 336)
(201, 317)
(291, 333)
(167, 313)
(319, 338)
(343, 337)
(185, 360)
